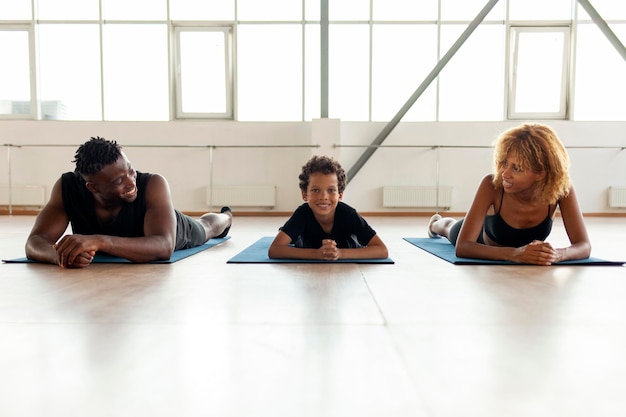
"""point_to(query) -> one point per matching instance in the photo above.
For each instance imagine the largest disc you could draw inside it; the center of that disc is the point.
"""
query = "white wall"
(189, 169)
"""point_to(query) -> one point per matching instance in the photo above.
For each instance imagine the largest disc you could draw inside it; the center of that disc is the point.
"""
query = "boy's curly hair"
(539, 149)
(94, 154)
(325, 165)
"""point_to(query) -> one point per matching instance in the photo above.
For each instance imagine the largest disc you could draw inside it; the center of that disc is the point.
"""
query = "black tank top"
(79, 205)
(503, 234)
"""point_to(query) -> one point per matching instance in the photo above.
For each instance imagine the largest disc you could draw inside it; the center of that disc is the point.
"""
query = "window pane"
(269, 10)
(608, 9)
(14, 73)
(270, 72)
(600, 85)
(466, 10)
(70, 72)
(202, 9)
(134, 9)
(472, 84)
(405, 9)
(203, 72)
(539, 72)
(312, 85)
(349, 10)
(348, 82)
(402, 57)
(67, 9)
(312, 9)
(135, 72)
(540, 9)
(15, 10)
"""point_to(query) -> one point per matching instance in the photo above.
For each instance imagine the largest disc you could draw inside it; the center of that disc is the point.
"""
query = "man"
(114, 209)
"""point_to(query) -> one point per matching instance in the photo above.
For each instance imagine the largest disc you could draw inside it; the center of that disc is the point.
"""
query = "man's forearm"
(38, 249)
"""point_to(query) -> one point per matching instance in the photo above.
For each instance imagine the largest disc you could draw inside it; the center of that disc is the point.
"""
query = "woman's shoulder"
(488, 193)
(487, 185)
(488, 179)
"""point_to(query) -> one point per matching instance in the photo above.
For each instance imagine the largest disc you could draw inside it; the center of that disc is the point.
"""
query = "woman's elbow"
(461, 250)
(587, 251)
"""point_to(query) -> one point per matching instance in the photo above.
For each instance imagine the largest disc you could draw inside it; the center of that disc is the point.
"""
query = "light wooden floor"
(419, 338)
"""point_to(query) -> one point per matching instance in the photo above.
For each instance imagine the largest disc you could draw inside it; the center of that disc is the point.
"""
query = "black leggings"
(456, 228)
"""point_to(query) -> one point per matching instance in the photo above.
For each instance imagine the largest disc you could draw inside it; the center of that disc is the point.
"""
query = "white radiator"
(398, 196)
(242, 195)
(22, 195)
(617, 196)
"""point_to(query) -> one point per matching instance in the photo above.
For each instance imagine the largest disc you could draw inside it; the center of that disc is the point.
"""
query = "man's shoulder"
(70, 178)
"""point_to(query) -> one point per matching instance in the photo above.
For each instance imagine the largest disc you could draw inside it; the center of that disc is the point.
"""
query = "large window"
(600, 83)
(69, 68)
(251, 60)
(16, 83)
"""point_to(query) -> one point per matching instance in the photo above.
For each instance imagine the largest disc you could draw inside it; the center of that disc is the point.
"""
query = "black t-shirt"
(349, 230)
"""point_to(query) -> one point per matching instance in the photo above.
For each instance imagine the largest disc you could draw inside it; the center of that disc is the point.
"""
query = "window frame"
(227, 31)
(513, 32)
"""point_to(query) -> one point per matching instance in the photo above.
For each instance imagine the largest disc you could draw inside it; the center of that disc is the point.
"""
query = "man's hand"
(76, 251)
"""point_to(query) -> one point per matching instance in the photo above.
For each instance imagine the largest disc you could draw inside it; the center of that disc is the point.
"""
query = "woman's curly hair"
(324, 165)
(539, 149)
(94, 154)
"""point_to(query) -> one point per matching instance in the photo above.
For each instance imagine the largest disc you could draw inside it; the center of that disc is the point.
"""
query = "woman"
(514, 207)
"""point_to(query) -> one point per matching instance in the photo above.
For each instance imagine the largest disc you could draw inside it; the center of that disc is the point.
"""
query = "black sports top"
(500, 232)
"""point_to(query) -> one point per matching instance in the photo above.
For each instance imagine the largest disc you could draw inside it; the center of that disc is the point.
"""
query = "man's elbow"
(164, 251)
(30, 251)
(165, 254)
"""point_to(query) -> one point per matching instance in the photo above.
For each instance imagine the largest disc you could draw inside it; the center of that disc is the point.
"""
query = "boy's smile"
(322, 194)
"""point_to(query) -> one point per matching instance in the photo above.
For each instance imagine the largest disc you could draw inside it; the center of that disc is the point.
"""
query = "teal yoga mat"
(443, 249)
(257, 254)
(105, 258)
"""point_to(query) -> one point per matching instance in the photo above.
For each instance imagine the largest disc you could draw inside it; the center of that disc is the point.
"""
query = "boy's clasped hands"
(329, 250)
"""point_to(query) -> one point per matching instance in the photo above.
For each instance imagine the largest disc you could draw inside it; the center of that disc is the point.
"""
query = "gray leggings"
(189, 232)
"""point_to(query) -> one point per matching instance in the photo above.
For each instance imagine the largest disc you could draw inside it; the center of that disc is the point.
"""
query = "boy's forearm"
(367, 252)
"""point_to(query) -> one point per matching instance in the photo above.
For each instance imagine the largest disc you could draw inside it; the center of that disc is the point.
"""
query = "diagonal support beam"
(420, 90)
(604, 27)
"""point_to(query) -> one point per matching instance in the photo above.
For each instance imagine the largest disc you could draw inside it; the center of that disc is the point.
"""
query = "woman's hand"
(537, 252)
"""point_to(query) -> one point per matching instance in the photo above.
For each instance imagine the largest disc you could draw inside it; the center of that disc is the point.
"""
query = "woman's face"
(515, 177)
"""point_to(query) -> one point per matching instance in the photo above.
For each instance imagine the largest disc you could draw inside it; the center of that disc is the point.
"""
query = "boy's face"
(322, 194)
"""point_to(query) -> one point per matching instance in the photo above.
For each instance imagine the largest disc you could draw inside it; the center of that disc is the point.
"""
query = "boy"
(324, 227)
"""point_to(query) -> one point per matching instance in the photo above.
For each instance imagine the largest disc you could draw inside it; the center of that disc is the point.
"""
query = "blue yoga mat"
(105, 258)
(443, 249)
(257, 254)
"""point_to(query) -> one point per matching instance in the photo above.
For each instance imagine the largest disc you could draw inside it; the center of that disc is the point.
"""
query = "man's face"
(115, 182)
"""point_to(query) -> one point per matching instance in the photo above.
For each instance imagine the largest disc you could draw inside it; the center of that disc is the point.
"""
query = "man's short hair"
(96, 153)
